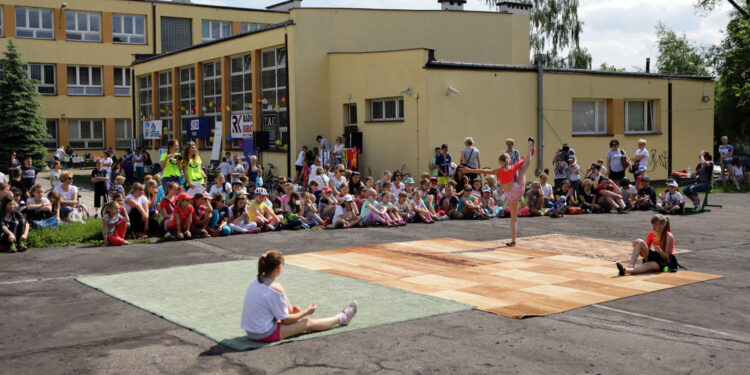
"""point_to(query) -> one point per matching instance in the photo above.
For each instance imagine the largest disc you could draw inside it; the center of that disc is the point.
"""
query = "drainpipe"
(669, 129)
(539, 61)
(288, 108)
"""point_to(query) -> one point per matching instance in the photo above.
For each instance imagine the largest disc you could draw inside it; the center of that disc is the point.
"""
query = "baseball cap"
(433, 178)
(673, 183)
(347, 198)
(261, 191)
(326, 189)
(183, 197)
(486, 189)
(409, 180)
(645, 178)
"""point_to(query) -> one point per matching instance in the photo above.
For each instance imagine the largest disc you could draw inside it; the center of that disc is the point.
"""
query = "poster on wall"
(152, 129)
(248, 148)
(242, 126)
(198, 127)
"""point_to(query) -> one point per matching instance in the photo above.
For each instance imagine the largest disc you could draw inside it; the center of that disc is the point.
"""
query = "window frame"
(224, 27)
(54, 137)
(35, 30)
(83, 33)
(649, 106)
(188, 102)
(123, 37)
(245, 78)
(212, 111)
(165, 104)
(145, 98)
(275, 95)
(382, 102)
(53, 85)
(86, 145)
(124, 73)
(248, 27)
(128, 134)
(596, 102)
(85, 88)
(349, 108)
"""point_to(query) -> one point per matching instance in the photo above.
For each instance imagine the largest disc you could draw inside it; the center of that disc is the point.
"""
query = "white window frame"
(35, 30)
(648, 108)
(189, 102)
(399, 103)
(75, 134)
(41, 87)
(603, 123)
(279, 67)
(145, 92)
(212, 111)
(123, 138)
(124, 37)
(225, 30)
(123, 89)
(93, 30)
(239, 106)
(90, 89)
(252, 26)
(165, 104)
(55, 138)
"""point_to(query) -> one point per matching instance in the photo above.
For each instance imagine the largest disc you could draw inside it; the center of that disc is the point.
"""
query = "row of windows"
(82, 80)
(590, 117)
(89, 133)
(38, 23)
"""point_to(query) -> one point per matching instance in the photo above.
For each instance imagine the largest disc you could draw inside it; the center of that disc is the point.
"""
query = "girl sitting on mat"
(267, 314)
(657, 257)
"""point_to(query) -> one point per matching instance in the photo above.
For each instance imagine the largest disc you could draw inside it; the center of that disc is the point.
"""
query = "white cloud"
(618, 32)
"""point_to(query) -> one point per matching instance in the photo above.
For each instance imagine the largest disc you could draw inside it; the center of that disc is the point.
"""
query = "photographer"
(170, 163)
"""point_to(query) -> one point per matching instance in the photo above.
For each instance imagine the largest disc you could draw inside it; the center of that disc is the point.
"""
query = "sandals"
(511, 244)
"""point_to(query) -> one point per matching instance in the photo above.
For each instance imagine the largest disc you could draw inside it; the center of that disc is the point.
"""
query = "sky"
(618, 32)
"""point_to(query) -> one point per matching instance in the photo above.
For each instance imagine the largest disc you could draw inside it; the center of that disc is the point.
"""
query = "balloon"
(228, 109)
(161, 136)
(211, 104)
(165, 129)
(286, 147)
(278, 142)
(211, 139)
(259, 100)
(283, 99)
(229, 139)
(265, 101)
(204, 108)
(249, 105)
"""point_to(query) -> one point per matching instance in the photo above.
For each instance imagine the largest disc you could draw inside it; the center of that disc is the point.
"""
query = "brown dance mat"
(542, 275)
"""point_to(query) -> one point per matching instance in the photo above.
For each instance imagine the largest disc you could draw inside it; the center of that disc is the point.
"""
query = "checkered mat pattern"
(516, 282)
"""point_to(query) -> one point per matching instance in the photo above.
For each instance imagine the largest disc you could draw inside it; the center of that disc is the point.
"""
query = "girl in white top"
(640, 157)
(54, 175)
(338, 151)
(337, 180)
(68, 193)
(267, 314)
(220, 186)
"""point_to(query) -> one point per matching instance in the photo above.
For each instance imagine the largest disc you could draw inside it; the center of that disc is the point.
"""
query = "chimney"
(452, 4)
(514, 8)
(285, 6)
(648, 65)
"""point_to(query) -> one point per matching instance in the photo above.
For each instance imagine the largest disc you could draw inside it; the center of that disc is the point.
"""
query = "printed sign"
(152, 129)
(242, 126)
(198, 127)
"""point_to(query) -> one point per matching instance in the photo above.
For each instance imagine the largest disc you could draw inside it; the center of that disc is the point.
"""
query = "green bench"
(703, 205)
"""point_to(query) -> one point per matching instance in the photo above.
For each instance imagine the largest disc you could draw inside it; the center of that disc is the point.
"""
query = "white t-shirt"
(397, 188)
(59, 153)
(672, 199)
(615, 160)
(225, 168)
(341, 180)
(574, 172)
(313, 173)
(546, 190)
(643, 161)
(216, 189)
(107, 165)
(322, 180)
(33, 201)
(111, 222)
(3, 177)
(138, 160)
(561, 170)
(261, 309)
(300, 159)
(631, 191)
(338, 149)
(238, 169)
(737, 171)
(56, 178)
(67, 195)
(339, 211)
(143, 201)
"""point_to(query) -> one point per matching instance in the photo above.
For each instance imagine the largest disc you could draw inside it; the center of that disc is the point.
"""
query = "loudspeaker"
(262, 140)
(354, 139)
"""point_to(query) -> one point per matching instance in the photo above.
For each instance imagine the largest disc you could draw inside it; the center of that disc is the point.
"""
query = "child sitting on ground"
(646, 198)
(535, 199)
(629, 193)
(309, 211)
(346, 214)
(267, 314)
(370, 212)
(488, 202)
(404, 208)
(201, 215)
(179, 226)
(219, 217)
(391, 210)
(420, 210)
(469, 206)
(114, 225)
(14, 229)
(166, 205)
(657, 257)
(239, 218)
(671, 202)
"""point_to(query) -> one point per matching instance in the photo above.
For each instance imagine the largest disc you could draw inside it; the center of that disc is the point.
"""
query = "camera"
(179, 157)
(593, 166)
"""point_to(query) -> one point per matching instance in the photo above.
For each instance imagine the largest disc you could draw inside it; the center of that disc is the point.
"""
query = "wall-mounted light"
(706, 98)
(63, 116)
(406, 91)
(63, 5)
(349, 96)
(452, 90)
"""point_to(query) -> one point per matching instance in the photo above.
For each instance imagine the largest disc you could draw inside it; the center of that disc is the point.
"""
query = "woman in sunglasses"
(617, 161)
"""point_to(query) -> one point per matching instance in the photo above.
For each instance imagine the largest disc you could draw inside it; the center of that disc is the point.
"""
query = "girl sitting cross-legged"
(656, 257)
(267, 314)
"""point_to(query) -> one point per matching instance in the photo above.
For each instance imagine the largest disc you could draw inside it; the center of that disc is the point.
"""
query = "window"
(44, 75)
(176, 33)
(248, 27)
(213, 30)
(589, 117)
(639, 116)
(34, 23)
(144, 98)
(211, 95)
(51, 142)
(86, 134)
(187, 96)
(391, 109)
(85, 26)
(241, 87)
(122, 81)
(123, 133)
(351, 114)
(2, 26)
(274, 95)
(165, 105)
(128, 29)
(84, 80)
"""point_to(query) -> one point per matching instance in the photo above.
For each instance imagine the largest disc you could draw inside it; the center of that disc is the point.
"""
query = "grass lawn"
(81, 180)
(67, 235)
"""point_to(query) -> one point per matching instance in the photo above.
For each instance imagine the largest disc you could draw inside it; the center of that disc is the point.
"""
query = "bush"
(67, 235)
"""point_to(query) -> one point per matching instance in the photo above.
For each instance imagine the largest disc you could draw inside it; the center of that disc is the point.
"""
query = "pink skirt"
(516, 193)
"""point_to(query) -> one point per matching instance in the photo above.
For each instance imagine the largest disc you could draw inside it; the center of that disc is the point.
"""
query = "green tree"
(610, 68)
(555, 26)
(709, 5)
(679, 55)
(578, 58)
(21, 124)
(732, 63)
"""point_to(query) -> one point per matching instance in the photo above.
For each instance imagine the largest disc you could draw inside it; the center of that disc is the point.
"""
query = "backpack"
(673, 265)
(625, 160)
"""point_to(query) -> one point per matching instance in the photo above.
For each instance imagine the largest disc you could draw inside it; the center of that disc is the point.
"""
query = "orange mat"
(516, 282)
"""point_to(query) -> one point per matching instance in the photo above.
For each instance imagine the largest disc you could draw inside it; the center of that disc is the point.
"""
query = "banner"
(198, 127)
(152, 129)
(216, 146)
(248, 148)
(242, 126)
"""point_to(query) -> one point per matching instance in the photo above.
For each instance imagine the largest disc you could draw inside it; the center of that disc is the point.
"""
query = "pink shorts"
(516, 193)
(273, 337)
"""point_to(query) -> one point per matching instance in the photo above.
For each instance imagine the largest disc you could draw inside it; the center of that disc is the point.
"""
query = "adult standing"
(433, 163)
(513, 154)
(300, 164)
(640, 158)
(60, 154)
(139, 160)
(443, 161)
(470, 158)
(325, 149)
(338, 151)
(192, 168)
(727, 155)
(71, 153)
(564, 153)
(238, 170)
(253, 171)
(617, 161)
(170, 164)
(13, 163)
(127, 167)
(28, 173)
(314, 169)
(107, 163)
(99, 178)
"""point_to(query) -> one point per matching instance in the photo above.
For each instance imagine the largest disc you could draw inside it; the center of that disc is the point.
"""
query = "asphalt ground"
(51, 324)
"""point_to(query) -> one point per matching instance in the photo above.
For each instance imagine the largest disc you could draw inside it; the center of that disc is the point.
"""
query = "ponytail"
(268, 262)
(667, 229)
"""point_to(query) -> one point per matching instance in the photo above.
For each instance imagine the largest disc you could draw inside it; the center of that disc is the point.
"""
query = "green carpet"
(208, 298)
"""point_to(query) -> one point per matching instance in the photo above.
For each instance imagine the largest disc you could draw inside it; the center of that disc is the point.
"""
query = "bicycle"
(82, 210)
(270, 181)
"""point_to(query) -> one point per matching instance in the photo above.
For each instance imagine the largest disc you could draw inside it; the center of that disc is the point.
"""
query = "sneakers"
(21, 247)
(620, 269)
(255, 230)
(140, 236)
(346, 315)
(326, 222)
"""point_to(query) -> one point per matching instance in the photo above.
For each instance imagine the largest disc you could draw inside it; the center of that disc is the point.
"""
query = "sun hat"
(371, 191)
(183, 197)
(326, 189)
(261, 191)
(347, 198)
(409, 180)
(673, 183)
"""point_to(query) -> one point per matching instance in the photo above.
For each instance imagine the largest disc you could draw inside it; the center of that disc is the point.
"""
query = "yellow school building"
(407, 80)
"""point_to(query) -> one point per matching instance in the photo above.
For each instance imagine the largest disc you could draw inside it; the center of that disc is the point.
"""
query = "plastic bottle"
(688, 172)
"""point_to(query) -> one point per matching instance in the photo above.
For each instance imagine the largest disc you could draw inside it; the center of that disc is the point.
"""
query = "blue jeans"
(698, 187)
(46, 223)
(65, 210)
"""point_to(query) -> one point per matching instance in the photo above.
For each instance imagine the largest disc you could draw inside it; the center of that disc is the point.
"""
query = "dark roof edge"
(378, 51)
(212, 6)
(204, 44)
(435, 64)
